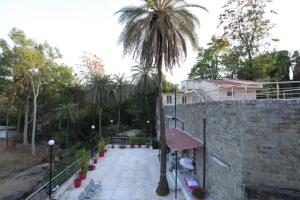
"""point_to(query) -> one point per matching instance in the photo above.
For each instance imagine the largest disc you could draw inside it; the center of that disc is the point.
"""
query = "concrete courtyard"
(125, 174)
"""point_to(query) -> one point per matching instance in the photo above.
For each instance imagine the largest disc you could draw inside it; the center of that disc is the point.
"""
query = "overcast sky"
(75, 26)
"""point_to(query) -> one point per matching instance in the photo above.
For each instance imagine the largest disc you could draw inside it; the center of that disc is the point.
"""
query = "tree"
(68, 111)
(99, 91)
(33, 65)
(143, 79)
(246, 27)
(155, 33)
(296, 67)
(209, 64)
(121, 93)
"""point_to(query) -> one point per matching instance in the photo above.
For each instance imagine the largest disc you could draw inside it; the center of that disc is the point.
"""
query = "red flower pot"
(77, 183)
(91, 167)
(131, 146)
(82, 175)
(101, 154)
(95, 161)
(140, 145)
(112, 146)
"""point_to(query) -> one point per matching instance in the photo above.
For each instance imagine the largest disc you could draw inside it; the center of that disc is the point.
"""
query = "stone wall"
(248, 143)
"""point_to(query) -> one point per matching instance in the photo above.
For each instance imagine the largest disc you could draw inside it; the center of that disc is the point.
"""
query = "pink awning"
(178, 140)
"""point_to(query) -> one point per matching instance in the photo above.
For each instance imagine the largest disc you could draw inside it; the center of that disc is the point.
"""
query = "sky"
(77, 26)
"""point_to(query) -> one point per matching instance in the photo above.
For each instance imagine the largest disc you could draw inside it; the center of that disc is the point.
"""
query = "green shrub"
(132, 140)
(83, 156)
(200, 192)
(101, 146)
(155, 144)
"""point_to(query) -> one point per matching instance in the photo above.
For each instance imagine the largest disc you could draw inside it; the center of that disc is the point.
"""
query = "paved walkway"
(125, 174)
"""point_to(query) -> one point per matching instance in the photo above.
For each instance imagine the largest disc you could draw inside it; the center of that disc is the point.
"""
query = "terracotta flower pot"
(140, 145)
(77, 183)
(82, 175)
(112, 146)
(131, 146)
(101, 154)
(91, 167)
(95, 161)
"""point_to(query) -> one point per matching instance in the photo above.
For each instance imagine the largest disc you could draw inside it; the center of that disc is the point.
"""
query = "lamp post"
(93, 128)
(176, 168)
(111, 122)
(149, 133)
(50, 143)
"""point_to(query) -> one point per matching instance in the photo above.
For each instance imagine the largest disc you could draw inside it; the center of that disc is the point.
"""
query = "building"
(194, 91)
(239, 150)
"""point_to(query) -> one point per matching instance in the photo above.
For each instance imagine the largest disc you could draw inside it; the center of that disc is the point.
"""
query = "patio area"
(125, 174)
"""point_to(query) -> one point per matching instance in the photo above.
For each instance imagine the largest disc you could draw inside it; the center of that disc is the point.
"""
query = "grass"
(6, 161)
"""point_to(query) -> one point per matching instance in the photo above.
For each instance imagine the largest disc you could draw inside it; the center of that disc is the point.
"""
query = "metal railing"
(125, 140)
(268, 90)
(43, 192)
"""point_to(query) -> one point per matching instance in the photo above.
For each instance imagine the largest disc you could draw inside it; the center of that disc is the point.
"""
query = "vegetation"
(83, 156)
(200, 192)
(155, 33)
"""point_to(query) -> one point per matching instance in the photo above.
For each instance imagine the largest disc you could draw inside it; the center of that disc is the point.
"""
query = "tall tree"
(142, 77)
(99, 91)
(246, 27)
(155, 33)
(209, 64)
(69, 112)
(121, 93)
(296, 67)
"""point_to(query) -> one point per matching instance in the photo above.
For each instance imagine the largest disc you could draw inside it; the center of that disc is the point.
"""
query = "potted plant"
(147, 143)
(77, 182)
(199, 193)
(91, 167)
(101, 149)
(104, 144)
(113, 146)
(155, 144)
(83, 156)
(132, 142)
(95, 160)
(122, 146)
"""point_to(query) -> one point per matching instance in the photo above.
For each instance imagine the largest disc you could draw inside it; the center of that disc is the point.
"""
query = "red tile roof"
(178, 140)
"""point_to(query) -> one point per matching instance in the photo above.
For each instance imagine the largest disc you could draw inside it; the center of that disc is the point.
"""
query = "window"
(230, 93)
(169, 99)
(183, 99)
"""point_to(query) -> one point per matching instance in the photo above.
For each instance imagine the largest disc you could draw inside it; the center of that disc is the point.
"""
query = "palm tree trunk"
(33, 150)
(119, 117)
(100, 124)
(67, 134)
(163, 186)
(25, 131)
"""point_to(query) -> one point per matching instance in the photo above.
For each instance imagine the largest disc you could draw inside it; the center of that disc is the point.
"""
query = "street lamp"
(149, 133)
(111, 122)
(93, 128)
(50, 143)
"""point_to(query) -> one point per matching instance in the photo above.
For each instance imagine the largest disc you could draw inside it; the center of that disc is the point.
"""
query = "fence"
(125, 140)
(268, 90)
(58, 180)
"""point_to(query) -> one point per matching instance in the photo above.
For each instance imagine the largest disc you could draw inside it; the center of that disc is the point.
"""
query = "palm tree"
(99, 91)
(143, 78)
(121, 93)
(68, 112)
(155, 33)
